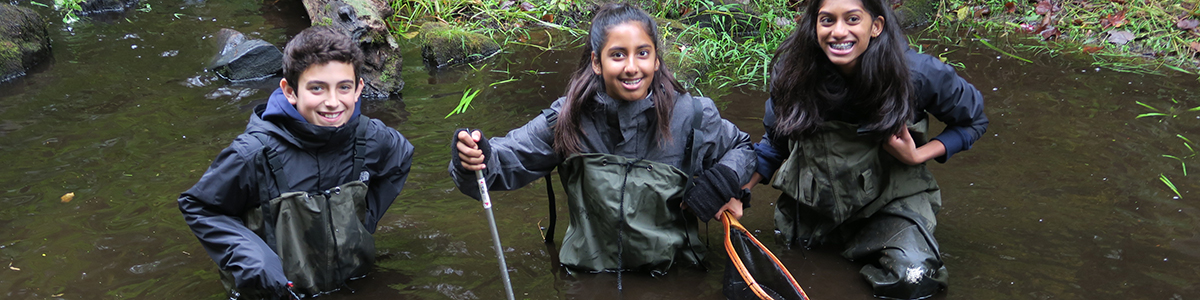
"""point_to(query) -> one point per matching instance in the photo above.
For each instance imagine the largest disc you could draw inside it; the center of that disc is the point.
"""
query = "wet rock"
(364, 21)
(446, 46)
(24, 41)
(105, 6)
(240, 59)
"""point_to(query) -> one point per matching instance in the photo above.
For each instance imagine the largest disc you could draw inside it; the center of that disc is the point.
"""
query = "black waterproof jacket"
(937, 90)
(315, 158)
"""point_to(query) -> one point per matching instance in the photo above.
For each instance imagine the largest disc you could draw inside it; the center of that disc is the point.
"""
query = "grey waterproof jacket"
(315, 159)
(527, 153)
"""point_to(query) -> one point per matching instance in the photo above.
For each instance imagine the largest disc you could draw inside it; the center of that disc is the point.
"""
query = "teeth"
(632, 81)
(330, 115)
(842, 46)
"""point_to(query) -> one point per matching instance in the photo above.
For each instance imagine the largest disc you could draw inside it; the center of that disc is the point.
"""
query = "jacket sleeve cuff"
(952, 138)
(767, 165)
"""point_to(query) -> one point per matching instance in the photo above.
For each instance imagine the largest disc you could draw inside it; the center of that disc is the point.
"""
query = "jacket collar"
(282, 120)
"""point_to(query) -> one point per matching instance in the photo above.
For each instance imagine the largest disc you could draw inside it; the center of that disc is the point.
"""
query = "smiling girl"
(626, 139)
(845, 141)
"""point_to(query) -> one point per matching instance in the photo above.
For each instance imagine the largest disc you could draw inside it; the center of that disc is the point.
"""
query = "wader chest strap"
(274, 163)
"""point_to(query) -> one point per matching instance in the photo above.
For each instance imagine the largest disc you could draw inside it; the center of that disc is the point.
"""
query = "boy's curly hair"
(319, 45)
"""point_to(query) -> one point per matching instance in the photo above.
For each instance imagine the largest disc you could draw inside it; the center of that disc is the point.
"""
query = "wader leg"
(901, 262)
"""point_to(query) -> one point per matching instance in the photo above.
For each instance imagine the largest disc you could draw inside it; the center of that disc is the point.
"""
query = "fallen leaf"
(549, 18)
(983, 12)
(1187, 24)
(10, 267)
(410, 35)
(1010, 7)
(1119, 37)
(526, 6)
(67, 197)
(56, 295)
(1092, 49)
(1077, 22)
(1196, 46)
(1050, 33)
(1045, 7)
(1113, 20)
(963, 12)
(507, 4)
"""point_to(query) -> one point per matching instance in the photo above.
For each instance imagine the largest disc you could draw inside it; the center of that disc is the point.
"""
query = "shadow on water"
(1060, 199)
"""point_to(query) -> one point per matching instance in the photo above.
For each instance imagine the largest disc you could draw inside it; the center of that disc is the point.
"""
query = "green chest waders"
(319, 236)
(625, 215)
(839, 175)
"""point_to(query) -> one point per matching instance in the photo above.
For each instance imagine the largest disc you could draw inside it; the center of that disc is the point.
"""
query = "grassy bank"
(721, 45)
(1132, 35)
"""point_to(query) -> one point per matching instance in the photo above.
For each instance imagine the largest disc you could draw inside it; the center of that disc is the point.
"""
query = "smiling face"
(327, 93)
(844, 30)
(627, 62)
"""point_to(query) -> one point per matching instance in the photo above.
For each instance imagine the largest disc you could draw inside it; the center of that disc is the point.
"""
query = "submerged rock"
(105, 6)
(240, 59)
(446, 46)
(364, 21)
(24, 41)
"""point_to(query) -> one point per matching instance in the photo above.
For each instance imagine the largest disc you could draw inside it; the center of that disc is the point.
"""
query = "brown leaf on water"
(1092, 49)
(1187, 24)
(1119, 37)
(549, 18)
(67, 197)
(1010, 7)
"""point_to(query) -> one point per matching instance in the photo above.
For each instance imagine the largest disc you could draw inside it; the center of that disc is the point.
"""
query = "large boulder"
(24, 41)
(241, 60)
(364, 21)
(446, 46)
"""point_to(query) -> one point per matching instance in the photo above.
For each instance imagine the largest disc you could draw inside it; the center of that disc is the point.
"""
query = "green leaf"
(1167, 181)
(1150, 115)
(1146, 105)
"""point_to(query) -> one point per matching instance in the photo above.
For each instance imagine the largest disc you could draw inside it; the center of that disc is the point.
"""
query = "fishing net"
(752, 272)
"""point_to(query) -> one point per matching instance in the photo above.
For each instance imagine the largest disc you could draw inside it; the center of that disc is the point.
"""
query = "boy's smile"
(327, 93)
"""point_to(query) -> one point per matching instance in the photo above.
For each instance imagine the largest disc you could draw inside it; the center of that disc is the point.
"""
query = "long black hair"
(879, 90)
(585, 83)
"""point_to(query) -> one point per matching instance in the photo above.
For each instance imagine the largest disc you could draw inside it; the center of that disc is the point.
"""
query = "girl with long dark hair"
(846, 143)
(628, 140)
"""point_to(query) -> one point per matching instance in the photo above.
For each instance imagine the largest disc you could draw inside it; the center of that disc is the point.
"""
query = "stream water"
(1061, 199)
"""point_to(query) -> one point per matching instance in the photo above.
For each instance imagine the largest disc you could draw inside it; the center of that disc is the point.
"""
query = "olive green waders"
(840, 185)
(626, 215)
(319, 236)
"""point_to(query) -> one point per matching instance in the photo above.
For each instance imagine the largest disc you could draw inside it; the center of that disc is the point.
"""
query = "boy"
(324, 174)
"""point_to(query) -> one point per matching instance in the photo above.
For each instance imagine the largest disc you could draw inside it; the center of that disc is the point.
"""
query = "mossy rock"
(446, 46)
(915, 13)
(24, 41)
